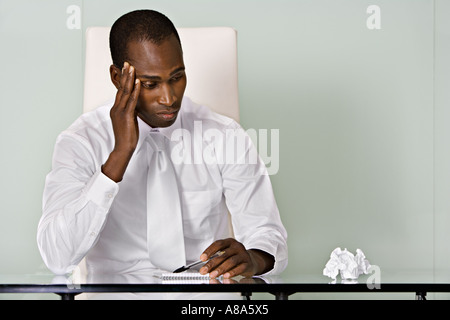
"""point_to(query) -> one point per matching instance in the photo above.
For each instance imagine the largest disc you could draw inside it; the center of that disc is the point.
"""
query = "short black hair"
(139, 25)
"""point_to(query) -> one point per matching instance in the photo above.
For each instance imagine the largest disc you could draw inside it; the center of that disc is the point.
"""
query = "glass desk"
(418, 282)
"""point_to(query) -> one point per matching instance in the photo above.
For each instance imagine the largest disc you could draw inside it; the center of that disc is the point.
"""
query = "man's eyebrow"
(150, 77)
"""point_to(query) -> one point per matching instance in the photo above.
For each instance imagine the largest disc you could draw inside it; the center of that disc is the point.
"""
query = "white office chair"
(210, 57)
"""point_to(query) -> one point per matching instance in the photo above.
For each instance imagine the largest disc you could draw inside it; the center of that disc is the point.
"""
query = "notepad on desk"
(185, 278)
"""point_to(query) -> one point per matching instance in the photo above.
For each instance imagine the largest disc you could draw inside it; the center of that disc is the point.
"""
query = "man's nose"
(167, 96)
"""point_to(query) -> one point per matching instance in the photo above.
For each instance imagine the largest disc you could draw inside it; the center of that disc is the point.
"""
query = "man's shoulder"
(91, 125)
(96, 119)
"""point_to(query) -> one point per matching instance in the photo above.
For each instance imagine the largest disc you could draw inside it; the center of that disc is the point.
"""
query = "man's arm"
(124, 120)
(260, 244)
(76, 201)
(77, 194)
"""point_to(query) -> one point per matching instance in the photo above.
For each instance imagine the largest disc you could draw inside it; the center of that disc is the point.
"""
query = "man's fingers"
(213, 265)
(122, 80)
(126, 85)
(232, 265)
(223, 263)
(128, 75)
(219, 245)
(240, 269)
(132, 101)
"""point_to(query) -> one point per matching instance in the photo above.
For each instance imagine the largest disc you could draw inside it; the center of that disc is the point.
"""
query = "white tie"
(165, 239)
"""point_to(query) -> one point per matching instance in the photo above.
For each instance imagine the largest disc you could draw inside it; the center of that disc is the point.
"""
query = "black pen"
(184, 268)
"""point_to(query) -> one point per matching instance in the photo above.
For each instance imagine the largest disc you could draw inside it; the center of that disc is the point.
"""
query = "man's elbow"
(55, 258)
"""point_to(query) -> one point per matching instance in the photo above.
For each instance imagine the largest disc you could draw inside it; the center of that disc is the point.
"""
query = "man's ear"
(115, 74)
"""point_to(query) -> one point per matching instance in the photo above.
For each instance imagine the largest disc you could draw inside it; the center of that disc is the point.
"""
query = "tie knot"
(156, 141)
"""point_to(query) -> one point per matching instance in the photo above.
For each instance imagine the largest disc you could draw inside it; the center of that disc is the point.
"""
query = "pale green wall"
(362, 114)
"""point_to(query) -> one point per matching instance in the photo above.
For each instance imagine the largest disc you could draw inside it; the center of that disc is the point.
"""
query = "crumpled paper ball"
(349, 266)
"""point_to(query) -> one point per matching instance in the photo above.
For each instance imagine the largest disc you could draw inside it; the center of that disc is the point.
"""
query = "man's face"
(160, 69)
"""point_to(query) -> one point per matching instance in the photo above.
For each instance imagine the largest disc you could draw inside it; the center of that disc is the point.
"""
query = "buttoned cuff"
(278, 254)
(101, 190)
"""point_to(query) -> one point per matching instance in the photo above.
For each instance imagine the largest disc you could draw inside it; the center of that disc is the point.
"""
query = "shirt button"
(93, 234)
(110, 195)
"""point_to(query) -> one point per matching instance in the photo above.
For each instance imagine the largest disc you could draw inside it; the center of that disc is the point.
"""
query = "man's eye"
(176, 78)
(149, 85)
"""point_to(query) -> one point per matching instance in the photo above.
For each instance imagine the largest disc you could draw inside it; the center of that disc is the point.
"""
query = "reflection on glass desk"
(419, 282)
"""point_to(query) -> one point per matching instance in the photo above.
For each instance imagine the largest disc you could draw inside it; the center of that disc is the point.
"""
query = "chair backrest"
(210, 57)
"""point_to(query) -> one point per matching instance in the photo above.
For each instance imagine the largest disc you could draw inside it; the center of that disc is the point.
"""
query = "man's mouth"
(167, 115)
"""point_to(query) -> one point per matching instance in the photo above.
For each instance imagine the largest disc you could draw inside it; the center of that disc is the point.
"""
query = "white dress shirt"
(87, 215)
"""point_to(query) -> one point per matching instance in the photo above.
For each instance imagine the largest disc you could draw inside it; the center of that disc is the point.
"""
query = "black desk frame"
(281, 291)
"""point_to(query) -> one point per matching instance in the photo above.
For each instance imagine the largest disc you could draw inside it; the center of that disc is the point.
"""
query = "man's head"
(139, 25)
(149, 41)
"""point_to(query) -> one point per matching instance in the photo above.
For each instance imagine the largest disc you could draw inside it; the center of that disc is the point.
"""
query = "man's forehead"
(147, 56)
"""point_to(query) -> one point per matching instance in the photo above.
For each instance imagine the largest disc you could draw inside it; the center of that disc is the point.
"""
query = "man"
(99, 199)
